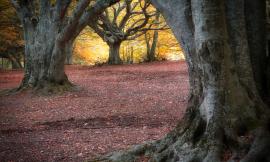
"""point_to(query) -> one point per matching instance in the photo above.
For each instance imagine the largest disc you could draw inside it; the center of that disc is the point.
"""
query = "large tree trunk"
(48, 32)
(255, 12)
(114, 53)
(45, 57)
(226, 118)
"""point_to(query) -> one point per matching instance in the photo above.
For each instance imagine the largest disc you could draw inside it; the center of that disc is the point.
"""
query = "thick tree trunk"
(255, 12)
(114, 54)
(48, 31)
(225, 114)
(44, 57)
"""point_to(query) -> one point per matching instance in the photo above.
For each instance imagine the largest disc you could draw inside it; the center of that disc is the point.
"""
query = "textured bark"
(224, 107)
(69, 53)
(114, 54)
(49, 34)
(255, 12)
(45, 55)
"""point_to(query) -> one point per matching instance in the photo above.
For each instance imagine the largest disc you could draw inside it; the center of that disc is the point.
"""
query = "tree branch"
(129, 9)
(25, 10)
(61, 8)
(87, 15)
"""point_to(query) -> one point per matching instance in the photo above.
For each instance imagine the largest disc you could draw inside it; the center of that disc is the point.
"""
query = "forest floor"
(117, 107)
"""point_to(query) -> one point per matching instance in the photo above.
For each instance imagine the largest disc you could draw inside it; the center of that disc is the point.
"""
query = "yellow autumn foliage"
(91, 49)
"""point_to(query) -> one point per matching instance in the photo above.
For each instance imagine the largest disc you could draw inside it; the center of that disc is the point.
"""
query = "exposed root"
(43, 88)
(260, 148)
(131, 155)
(225, 136)
(48, 88)
(7, 92)
(198, 144)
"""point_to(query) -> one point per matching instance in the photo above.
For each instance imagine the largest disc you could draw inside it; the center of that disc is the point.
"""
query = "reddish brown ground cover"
(118, 106)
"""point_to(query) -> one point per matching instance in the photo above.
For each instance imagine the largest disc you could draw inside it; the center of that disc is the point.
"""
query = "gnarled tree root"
(198, 145)
(43, 88)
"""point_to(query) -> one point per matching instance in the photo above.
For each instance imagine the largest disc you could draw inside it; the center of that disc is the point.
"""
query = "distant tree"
(151, 47)
(124, 21)
(49, 32)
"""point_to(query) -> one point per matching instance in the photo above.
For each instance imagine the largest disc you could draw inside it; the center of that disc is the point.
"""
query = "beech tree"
(226, 119)
(48, 33)
(114, 28)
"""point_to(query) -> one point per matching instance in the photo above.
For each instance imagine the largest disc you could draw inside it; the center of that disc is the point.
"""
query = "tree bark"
(69, 59)
(224, 108)
(114, 53)
(255, 12)
(49, 32)
(44, 57)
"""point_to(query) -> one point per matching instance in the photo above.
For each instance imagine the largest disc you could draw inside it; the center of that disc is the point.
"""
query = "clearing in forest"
(118, 106)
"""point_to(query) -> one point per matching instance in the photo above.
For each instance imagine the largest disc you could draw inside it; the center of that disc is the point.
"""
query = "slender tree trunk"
(114, 53)
(131, 55)
(151, 48)
(224, 108)
(152, 53)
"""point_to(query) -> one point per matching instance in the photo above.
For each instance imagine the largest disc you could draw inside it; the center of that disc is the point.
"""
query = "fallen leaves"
(118, 106)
